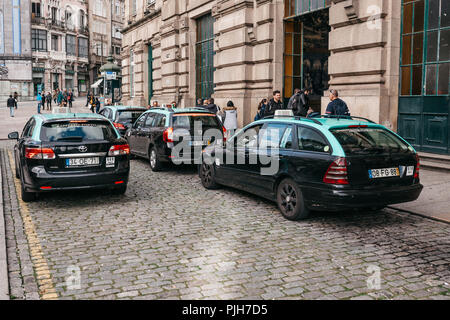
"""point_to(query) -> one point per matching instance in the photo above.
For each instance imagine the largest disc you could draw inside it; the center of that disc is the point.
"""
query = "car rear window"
(369, 140)
(186, 121)
(78, 130)
(129, 115)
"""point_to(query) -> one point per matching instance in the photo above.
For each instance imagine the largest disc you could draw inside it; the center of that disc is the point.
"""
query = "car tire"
(27, 196)
(120, 190)
(290, 200)
(206, 172)
(155, 162)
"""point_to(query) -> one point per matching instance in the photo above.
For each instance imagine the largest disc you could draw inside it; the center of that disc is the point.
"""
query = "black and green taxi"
(69, 152)
(323, 163)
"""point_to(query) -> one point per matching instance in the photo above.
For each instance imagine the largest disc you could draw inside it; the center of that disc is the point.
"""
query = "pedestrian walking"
(229, 118)
(70, 98)
(97, 105)
(88, 99)
(173, 104)
(261, 109)
(199, 103)
(102, 101)
(39, 101)
(274, 104)
(11, 104)
(60, 98)
(48, 99)
(16, 97)
(336, 107)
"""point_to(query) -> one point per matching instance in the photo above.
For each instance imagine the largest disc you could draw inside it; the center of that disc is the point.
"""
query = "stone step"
(432, 157)
(438, 166)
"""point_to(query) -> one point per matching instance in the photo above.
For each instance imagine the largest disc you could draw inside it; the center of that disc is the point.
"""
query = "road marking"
(46, 288)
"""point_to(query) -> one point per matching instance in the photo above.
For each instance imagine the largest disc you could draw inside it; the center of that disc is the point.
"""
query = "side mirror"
(13, 135)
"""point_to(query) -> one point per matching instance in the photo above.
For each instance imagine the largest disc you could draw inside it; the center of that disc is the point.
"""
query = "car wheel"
(290, 200)
(27, 196)
(207, 176)
(155, 163)
(120, 190)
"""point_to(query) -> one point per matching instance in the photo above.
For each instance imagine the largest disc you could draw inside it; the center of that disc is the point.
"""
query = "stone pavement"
(169, 238)
(434, 201)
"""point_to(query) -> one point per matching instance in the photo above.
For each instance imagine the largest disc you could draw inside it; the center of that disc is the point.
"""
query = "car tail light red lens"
(39, 153)
(118, 150)
(416, 174)
(46, 188)
(118, 182)
(168, 135)
(337, 172)
(224, 134)
(118, 125)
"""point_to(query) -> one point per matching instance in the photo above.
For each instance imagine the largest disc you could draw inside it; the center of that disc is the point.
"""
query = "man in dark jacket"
(298, 103)
(211, 107)
(336, 107)
(274, 104)
(11, 103)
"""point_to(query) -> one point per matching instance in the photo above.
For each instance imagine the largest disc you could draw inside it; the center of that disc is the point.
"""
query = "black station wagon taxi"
(323, 163)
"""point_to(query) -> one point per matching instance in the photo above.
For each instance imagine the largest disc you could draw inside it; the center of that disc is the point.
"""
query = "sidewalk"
(24, 111)
(434, 201)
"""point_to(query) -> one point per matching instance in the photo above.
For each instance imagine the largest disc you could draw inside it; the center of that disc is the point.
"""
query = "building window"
(54, 14)
(425, 24)
(297, 7)
(117, 50)
(81, 19)
(55, 41)
(71, 45)
(36, 9)
(292, 57)
(131, 73)
(82, 47)
(38, 40)
(204, 62)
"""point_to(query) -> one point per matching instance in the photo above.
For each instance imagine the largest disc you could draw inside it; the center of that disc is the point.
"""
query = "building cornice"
(141, 21)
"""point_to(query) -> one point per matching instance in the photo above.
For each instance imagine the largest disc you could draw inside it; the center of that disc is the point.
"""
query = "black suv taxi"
(165, 135)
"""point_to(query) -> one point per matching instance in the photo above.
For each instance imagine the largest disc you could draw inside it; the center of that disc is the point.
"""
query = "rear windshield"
(129, 115)
(369, 141)
(187, 121)
(77, 131)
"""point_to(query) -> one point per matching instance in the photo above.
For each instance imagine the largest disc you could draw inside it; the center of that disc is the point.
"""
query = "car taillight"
(39, 153)
(168, 135)
(224, 134)
(416, 174)
(118, 125)
(337, 172)
(118, 150)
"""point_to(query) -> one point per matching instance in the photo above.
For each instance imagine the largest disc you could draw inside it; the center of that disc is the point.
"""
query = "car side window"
(161, 121)
(149, 122)
(139, 122)
(272, 135)
(249, 137)
(287, 139)
(311, 140)
(25, 130)
(28, 129)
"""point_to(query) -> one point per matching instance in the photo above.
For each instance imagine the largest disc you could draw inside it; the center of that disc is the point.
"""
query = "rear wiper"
(70, 138)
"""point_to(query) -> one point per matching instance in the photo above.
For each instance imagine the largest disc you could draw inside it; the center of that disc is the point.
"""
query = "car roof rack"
(338, 117)
(160, 108)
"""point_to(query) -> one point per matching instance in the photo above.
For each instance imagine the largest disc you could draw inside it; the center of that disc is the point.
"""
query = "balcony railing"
(83, 30)
(37, 20)
(57, 23)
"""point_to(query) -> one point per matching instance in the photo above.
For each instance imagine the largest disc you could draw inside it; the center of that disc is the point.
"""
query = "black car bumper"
(334, 200)
(43, 181)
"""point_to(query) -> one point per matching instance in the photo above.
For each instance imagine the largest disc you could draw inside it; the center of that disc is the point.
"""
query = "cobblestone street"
(169, 238)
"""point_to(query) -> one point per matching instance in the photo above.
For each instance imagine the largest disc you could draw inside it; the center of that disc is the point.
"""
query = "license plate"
(384, 173)
(110, 161)
(83, 162)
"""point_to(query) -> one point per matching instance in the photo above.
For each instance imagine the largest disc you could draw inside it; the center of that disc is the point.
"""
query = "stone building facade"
(15, 49)
(374, 52)
(106, 19)
(59, 42)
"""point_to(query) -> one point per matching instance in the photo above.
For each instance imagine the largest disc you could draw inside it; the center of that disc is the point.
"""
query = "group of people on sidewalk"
(94, 103)
(228, 114)
(299, 104)
(59, 97)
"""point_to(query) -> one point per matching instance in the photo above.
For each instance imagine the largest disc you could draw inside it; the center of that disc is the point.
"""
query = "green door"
(424, 103)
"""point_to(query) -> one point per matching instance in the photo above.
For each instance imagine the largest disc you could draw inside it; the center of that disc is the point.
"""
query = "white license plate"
(83, 162)
(110, 161)
(384, 173)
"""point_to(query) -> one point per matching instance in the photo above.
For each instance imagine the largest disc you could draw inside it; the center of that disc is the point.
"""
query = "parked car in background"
(324, 163)
(153, 135)
(70, 151)
(122, 117)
